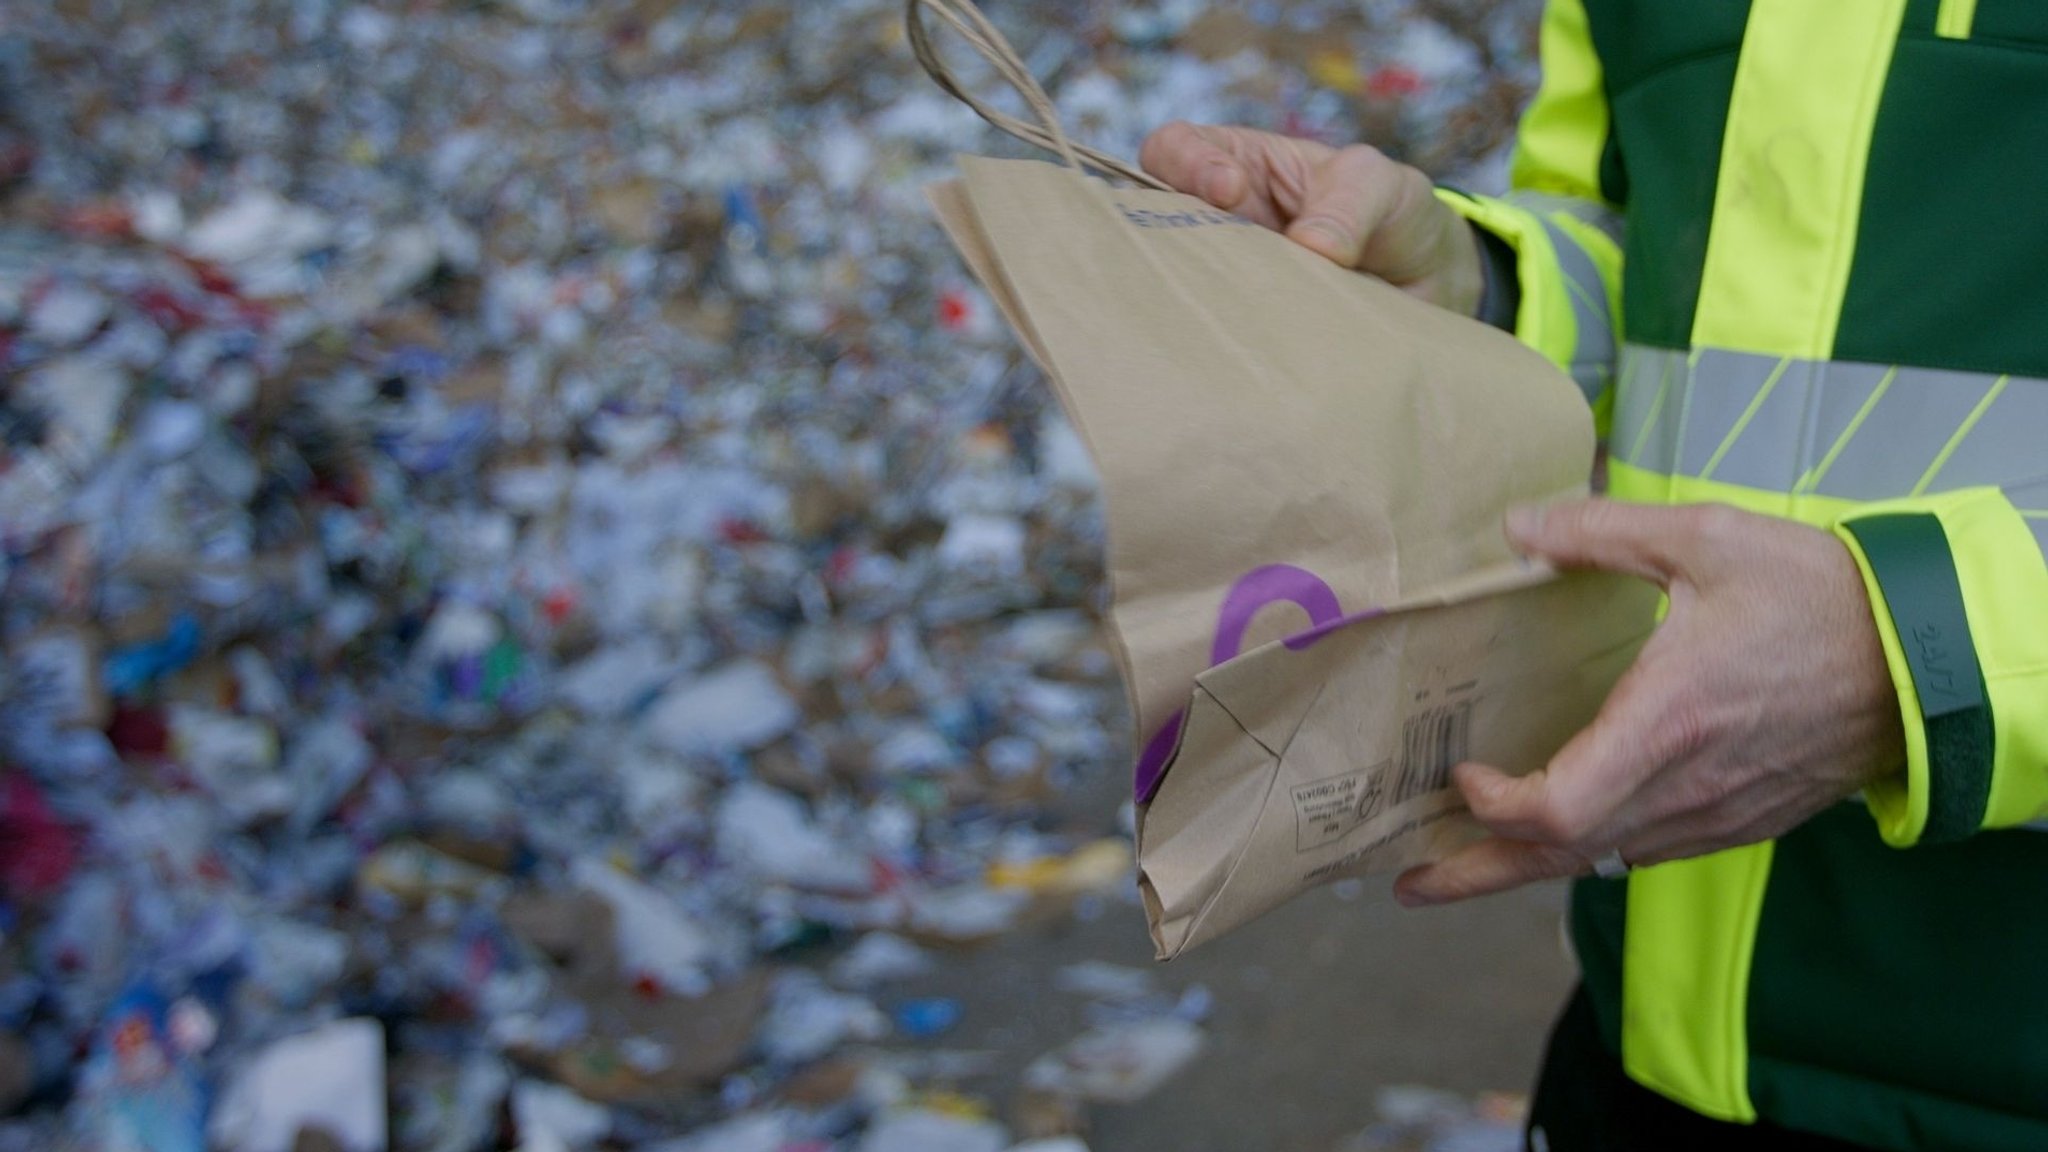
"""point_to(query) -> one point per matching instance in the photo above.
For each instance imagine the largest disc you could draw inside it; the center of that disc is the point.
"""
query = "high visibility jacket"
(1833, 217)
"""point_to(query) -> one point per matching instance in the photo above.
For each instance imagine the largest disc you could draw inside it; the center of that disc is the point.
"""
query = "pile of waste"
(533, 588)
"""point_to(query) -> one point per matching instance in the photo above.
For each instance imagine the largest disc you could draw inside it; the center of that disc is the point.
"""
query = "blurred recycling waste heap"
(529, 587)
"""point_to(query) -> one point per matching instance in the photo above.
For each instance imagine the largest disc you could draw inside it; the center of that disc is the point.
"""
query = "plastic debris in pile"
(519, 549)
(1416, 1119)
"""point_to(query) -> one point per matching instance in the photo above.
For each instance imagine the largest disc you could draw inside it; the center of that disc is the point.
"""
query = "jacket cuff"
(1501, 297)
(1565, 274)
(1995, 559)
(1909, 571)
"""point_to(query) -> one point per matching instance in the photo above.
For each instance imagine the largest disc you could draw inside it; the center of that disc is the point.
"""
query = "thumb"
(1640, 540)
(1347, 199)
(1364, 210)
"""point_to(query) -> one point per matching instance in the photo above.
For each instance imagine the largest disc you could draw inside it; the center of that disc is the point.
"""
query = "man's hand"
(1352, 205)
(1761, 699)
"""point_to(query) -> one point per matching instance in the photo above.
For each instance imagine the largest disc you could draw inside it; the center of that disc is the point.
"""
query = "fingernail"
(1524, 522)
(1408, 896)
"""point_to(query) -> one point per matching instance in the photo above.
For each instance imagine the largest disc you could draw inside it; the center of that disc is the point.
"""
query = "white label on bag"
(1324, 810)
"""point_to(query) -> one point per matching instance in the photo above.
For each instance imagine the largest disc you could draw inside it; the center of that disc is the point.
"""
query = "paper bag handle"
(966, 19)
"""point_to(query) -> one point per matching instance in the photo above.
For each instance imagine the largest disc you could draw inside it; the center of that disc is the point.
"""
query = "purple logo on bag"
(1272, 584)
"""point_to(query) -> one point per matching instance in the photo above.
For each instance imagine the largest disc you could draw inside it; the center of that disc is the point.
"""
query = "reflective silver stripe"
(1588, 212)
(1638, 435)
(1593, 355)
(1846, 430)
(2037, 520)
(1834, 428)
(2031, 498)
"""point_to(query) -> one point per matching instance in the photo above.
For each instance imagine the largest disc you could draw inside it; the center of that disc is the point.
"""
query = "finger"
(1412, 235)
(1654, 543)
(1540, 807)
(1201, 160)
(1592, 786)
(1566, 809)
(1489, 866)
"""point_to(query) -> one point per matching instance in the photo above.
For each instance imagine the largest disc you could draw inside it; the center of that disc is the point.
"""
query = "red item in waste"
(99, 220)
(559, 605)
(736, 531)
(840, 566)
(1393, 82)
(954, 311)
(139, 732)
(163, 306)
(37, 851)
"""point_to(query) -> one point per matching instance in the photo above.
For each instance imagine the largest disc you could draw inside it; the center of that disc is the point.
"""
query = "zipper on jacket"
(1953, 19)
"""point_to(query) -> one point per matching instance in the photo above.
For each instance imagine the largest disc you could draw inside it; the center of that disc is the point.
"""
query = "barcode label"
(1431, 743)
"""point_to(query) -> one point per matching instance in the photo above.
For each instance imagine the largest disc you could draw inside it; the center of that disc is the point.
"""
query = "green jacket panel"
(1891, 999)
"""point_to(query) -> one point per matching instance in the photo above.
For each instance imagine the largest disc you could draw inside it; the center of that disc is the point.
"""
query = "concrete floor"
(1317, 1006)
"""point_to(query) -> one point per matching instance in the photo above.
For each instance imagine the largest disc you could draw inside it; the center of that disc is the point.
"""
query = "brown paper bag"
(1304, 472)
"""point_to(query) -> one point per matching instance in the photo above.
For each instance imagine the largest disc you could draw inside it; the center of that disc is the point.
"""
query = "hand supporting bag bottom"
(1327, 755)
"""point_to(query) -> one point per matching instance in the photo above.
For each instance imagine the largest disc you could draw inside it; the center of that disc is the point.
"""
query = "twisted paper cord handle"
(966, 19)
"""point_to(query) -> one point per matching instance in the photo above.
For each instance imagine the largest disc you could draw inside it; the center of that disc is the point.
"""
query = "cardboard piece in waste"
(1305, 471)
